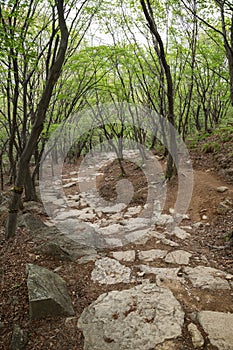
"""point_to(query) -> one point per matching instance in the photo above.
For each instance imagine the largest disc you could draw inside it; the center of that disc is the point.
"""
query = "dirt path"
(209, 290)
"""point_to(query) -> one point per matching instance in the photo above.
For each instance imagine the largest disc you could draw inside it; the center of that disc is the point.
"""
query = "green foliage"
(203, 136)
(124, 68)
(210, 147)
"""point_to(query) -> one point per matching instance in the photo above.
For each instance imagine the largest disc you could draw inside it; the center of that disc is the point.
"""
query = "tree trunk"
(37, 128)
(29, 186)
(159, 48)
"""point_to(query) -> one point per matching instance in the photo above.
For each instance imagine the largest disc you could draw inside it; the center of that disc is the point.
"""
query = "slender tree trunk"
(159, 48)
(37, 128)
(29, 186)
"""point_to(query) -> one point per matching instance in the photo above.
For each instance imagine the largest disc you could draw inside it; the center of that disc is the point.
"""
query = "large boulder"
(138, 318)
(48, 295)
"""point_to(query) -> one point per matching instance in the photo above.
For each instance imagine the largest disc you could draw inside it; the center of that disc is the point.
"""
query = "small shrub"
(210, 147)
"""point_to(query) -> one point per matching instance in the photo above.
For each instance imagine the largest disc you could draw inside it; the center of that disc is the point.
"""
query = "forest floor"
(211, 170)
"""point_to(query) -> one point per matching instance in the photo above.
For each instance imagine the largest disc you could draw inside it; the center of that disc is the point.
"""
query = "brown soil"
(62, 334)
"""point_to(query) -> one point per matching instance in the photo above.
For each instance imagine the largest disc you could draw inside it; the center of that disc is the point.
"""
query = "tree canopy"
(61, 57)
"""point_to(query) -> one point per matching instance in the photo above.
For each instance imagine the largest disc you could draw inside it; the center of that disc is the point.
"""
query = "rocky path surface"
(174, 291)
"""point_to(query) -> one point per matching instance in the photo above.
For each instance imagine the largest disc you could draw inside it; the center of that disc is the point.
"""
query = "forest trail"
(205, 197)
(181, 272)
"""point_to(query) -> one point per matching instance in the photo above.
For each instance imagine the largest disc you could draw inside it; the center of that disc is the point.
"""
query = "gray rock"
(88, 258)
(113, 209)
(75, 249)
(151, 255)
(169, 242)
(113, 242)
(31, 222)
(207, 278)
(86, 216)
(55, 250)
(162, 219)
(82, 233)
(218, 326)
(19, 339)
(111, 229)
(137, 318)
(197, 224)
(69, 184)
(128, 255)
(133, 210)
(48, 295)
(180, 233)
(222, 189)
(179, 257)
(161, 273)
(148, 234)
(35, 207)
(79, 240)
(197, 338)
(138, 223)
(224, 206)
(63, 215)
(110, 271)
(138, 236)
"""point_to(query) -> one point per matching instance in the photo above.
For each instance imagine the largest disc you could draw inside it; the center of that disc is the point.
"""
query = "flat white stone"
(110, 271)
(169, 242)
(180, 233)
(218, 326)
(162, 273)
(207, 278)
(133, 210)
(116, 217)
(138, 223)
(111, 229)
(69, 184)
(162, 219)
(186, 227)
(75, 197)
(151, 255)
(222, 189)
(86, 216)
(128, 255)
(138, 318)
(179, 257)
(112, 242)
(113, 209)
(137, 237)
(55, 201)
(49, 223)
(63, 215)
